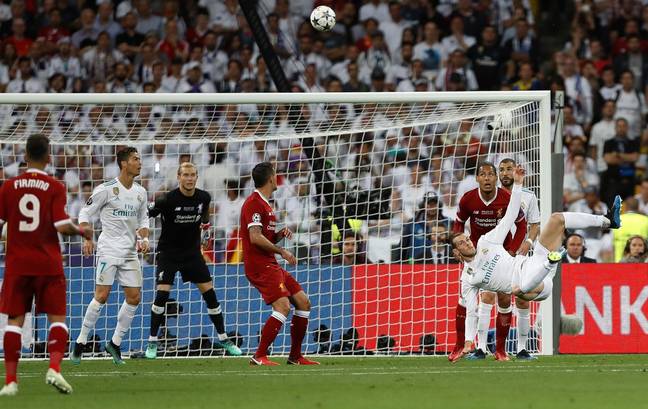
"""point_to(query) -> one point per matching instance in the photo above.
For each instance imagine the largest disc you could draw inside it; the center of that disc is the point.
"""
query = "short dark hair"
(452, 237)
(486, 163)
(508, 160)
(37, 147)
(124, 154)
(262, 173)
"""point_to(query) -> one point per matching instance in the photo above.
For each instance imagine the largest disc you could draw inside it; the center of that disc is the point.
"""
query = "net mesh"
(357, 184)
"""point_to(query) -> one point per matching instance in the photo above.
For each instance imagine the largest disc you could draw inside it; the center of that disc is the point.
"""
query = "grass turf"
(594, 381)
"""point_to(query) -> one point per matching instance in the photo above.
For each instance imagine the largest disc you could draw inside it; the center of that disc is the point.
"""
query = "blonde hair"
(186, 165)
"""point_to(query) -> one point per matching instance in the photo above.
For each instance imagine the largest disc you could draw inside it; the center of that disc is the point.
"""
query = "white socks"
(89, 321)
(124, 320)
(575, 220)
(483, 324)
(523, 325)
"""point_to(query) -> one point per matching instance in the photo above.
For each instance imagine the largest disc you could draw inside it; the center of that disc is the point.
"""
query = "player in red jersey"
(485, 206)
(33, 206)
(277, 287)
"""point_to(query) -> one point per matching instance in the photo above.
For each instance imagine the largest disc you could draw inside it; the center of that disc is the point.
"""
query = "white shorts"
(532, 266)
(127, 272)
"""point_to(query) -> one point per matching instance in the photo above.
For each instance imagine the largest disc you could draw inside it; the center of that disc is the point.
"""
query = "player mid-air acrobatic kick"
(490, 267)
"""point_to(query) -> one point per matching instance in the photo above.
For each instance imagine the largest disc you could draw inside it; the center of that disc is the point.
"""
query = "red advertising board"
(405, 299)
(612, 300)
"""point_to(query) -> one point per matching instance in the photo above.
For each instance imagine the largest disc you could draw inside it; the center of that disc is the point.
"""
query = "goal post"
(357, 173)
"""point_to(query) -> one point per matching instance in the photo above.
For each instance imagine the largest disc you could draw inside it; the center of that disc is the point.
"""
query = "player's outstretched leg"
(298, 328)
(12, 345)
(89, 320)
(523, 328)
(216, 316)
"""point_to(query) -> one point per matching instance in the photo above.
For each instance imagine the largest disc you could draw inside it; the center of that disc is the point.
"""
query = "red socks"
(298, 328)
(57, 344)
(460, 326)
(502, 327)
(12, 347)
(269, 332)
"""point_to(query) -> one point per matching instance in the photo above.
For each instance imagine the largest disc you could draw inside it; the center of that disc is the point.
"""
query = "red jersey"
(485, 215)
(256, 211)
(32, 205)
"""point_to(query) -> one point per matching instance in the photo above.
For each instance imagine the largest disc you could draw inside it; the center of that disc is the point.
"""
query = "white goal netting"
(370, 188)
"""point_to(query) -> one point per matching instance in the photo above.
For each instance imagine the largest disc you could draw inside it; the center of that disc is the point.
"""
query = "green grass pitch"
(593, 381)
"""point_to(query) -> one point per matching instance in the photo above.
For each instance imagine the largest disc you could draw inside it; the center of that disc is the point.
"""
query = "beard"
(506, 182)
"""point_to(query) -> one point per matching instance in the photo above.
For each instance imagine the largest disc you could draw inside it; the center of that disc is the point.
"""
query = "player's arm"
(258, 239)
(157, 206)
(205, 225)
(62, 222)
(469, 295)
(93, 206)
(499, 233)
(143, 226)
(462, 215)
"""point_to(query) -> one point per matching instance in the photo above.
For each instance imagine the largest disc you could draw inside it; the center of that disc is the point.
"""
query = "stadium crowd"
(62, 46)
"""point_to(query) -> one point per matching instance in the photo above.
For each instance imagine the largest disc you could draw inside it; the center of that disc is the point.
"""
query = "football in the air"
(322, 18)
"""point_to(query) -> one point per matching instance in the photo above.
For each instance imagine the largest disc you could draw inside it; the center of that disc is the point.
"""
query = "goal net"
(369, 183)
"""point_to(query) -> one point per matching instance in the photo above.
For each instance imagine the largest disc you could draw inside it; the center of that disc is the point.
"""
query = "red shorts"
(18, 293)
(273, 283)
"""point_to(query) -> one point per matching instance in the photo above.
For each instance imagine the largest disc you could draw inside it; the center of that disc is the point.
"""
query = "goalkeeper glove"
(205, 233)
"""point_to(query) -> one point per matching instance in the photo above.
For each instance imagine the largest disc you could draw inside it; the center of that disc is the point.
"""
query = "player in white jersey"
(122, 206)
(490, 267)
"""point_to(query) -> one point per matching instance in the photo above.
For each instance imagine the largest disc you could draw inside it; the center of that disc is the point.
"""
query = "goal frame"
(543, 98)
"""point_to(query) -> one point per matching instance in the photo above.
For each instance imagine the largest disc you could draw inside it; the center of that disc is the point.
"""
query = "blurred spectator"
(526, 79)
(602, 131)
(128, 41)
(422, 238)
(609, 90)
(457, 38)
(104, 20)
(578, 91)
(26, 82)
(301, 218)
(120, 81)
(194, 81)
(99, 60)
(578, 179)
(642, 197)
(352, 252)
(522, 47)
(634, 60)
(147, 21)
(631, 105)
(88, 34)
(487, 60)
(635, 250)
(620, 154)
(429, 50)
(456, 71)
(376, 9)
(575, 245)
(633, 223)
(173, 45)
(18, 39)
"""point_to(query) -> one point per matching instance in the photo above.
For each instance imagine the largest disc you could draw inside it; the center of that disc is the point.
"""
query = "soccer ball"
(322, 18)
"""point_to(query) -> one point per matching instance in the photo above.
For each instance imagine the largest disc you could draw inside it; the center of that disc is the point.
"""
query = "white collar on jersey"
(262, 197)
(492, 200)
(34, 170)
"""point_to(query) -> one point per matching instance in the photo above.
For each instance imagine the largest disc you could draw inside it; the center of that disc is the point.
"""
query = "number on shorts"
(33, 213)
(102, 266)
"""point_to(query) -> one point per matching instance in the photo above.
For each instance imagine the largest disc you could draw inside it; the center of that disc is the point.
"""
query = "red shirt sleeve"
(59, 200)
(252, 215)
(463, 214)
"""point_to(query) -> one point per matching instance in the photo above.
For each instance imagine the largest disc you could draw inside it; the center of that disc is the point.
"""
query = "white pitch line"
(329, 372)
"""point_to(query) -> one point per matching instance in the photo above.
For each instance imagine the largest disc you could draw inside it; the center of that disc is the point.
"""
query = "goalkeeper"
(491, 267)
(185, 224)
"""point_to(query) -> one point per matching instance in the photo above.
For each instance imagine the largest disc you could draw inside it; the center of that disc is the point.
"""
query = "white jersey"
(529, 206)
(122, 212)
